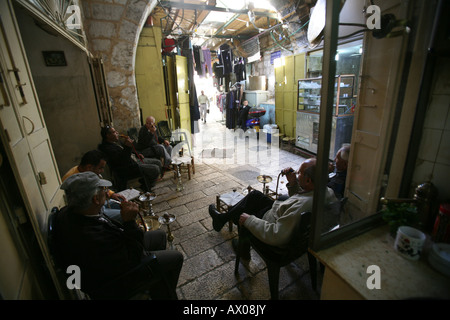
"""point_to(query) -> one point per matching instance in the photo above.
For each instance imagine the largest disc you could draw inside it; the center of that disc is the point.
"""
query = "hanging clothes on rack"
(239, 69)
(226, 58)
(233, 99)
(198, 57)
(230, 110)
(218, 73)
(206, 66)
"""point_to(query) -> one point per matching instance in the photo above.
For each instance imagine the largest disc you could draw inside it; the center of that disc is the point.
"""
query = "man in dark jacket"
(104, 249)
(151, 145)
(124, 167)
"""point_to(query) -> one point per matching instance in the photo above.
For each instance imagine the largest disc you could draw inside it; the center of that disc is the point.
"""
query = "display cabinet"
(308, 113)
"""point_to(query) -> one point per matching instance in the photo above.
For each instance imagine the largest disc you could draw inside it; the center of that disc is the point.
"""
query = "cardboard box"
(257, 83)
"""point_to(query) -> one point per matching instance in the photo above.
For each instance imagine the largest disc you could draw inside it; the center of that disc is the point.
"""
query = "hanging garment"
(239, 70)
(226, 58)
(207, 64)
(218, 72)
(197, 59)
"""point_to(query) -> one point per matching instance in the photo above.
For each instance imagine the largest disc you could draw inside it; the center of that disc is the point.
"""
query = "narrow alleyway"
(224, 162)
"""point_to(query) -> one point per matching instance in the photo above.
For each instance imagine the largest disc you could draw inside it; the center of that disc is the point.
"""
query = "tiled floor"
(223, 162)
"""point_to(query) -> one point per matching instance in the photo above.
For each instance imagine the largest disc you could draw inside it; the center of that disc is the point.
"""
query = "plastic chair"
(164, 130)
(184, 162)
(118, 288)
(276, 257)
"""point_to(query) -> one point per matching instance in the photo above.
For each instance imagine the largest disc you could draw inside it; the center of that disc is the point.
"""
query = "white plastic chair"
(186, 161)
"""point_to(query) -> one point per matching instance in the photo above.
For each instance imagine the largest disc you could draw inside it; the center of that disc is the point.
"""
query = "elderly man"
(104, 249)
(270, 221)
(151, 145)
(339, 171)
(124, 167)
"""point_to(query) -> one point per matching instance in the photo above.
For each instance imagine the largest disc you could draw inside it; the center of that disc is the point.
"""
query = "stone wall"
(112, 30)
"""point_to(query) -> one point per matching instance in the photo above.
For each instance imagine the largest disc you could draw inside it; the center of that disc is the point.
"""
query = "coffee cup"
(409, 242)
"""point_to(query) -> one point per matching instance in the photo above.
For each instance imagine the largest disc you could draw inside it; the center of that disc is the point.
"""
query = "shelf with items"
(309, 95)
(308, 113)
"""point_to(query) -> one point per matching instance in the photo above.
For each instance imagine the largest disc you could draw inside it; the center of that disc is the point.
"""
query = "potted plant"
(398, 214)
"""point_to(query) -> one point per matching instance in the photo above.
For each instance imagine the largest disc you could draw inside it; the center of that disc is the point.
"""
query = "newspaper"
(130, 194)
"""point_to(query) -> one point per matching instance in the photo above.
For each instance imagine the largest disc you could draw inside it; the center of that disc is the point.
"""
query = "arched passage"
(112, 31)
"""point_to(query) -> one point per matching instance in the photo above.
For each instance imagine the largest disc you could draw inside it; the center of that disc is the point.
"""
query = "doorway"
(65, 91)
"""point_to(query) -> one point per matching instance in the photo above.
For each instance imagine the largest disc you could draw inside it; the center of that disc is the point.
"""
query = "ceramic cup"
(409, 242)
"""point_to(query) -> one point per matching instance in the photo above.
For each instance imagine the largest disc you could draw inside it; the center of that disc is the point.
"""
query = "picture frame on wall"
(54, 58)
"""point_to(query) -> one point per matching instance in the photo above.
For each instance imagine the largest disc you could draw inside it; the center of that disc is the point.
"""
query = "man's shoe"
(244, 253)
(217, 217)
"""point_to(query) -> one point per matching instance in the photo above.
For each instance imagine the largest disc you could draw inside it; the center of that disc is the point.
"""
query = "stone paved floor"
(224, 162)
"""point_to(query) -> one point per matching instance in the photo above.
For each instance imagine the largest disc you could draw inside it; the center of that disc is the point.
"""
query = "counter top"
(400, 278)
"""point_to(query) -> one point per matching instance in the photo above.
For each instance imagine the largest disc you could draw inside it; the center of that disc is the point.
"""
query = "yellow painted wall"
(174, 119)
(183, 93)
(149, 74)
(287, 74)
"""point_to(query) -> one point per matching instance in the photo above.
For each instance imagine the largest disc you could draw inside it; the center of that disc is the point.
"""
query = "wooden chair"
(276, 257)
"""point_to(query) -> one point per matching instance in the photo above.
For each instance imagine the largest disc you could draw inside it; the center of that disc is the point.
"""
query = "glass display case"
(309, 94)
(308, 109)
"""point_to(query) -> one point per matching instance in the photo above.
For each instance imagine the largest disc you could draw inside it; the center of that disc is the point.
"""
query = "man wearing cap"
(95, 161)
(104, 249)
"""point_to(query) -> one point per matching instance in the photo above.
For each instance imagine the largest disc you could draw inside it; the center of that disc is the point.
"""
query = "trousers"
(159, 151)
(255, 203)
(203, 111)
(170, 261)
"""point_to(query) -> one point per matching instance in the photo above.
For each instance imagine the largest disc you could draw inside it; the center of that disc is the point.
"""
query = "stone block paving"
(209, 260)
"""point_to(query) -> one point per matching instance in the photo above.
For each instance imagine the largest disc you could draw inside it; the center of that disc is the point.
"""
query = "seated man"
(123, 166)
(104, 249)
(243, 115)
(339, 172)
(95, 161)
(272, 222)
(151, 145)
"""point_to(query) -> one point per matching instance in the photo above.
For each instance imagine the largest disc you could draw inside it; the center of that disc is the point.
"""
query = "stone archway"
(112, 30)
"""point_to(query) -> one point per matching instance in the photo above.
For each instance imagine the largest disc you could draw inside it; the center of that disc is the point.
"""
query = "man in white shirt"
(273, 222)
(203, 102)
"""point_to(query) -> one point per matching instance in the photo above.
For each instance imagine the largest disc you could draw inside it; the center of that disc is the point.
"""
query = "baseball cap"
(83, 182)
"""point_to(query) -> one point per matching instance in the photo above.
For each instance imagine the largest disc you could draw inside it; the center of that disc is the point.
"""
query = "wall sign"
(54, 58)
